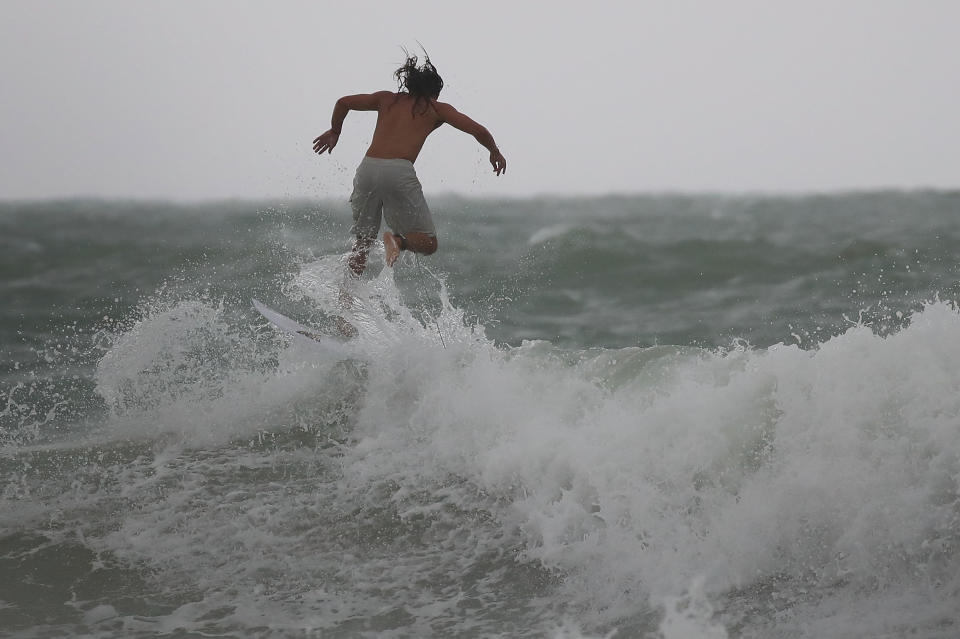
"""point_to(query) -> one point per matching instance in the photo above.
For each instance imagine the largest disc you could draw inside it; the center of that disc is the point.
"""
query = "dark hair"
(422, 82)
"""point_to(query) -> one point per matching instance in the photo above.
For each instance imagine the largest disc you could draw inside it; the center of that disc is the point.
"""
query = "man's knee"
(421, 243)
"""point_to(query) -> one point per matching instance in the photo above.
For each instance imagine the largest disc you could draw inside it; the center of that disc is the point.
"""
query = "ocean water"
(634, 416)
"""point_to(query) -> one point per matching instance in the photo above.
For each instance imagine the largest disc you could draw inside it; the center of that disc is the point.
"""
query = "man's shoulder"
(443, 107)
(383, 95)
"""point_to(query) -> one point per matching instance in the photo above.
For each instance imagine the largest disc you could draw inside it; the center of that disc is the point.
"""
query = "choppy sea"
(671, 417)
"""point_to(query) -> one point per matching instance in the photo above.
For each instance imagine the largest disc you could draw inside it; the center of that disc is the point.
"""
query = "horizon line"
(613, 193)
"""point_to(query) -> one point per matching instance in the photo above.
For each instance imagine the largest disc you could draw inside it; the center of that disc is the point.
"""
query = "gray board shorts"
(389, 187)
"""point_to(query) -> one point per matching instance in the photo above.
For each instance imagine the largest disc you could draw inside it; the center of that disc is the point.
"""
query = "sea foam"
(627, 473)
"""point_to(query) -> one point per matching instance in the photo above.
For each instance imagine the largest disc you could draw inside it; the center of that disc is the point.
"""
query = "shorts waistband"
(386, 161)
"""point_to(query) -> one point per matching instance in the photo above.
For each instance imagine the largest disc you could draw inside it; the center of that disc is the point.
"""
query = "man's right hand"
(325, 142)
(498, 161)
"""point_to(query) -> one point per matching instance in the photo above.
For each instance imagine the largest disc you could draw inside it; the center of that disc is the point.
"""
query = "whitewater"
(632, 417)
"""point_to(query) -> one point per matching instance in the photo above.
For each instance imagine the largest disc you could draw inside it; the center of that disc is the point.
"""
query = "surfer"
(386, 184)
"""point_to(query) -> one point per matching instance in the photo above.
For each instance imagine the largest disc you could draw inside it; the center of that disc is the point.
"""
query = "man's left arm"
(360, 102)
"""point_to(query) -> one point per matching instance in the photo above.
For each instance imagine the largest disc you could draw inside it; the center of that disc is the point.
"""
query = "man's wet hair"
(422, 82)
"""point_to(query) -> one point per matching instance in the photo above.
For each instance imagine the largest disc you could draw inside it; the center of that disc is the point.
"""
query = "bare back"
(402, 126)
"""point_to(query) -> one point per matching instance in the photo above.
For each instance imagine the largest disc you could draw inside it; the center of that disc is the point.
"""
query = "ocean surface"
(671, 417)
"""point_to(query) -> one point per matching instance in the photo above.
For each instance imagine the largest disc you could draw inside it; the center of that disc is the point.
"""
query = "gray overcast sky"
(208, 99)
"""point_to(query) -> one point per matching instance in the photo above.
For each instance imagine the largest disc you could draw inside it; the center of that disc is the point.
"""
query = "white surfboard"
(309, 337)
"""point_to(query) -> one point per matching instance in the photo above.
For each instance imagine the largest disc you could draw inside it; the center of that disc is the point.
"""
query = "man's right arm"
(463, 122)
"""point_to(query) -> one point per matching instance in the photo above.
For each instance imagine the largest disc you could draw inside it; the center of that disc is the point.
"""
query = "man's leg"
(413, 241)
(358, 258)
(407, 215)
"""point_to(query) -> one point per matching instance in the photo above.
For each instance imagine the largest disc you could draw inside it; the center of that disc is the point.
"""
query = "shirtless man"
(386, 183)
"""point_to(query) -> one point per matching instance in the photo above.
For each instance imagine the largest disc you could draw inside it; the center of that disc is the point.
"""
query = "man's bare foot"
(392, 246)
